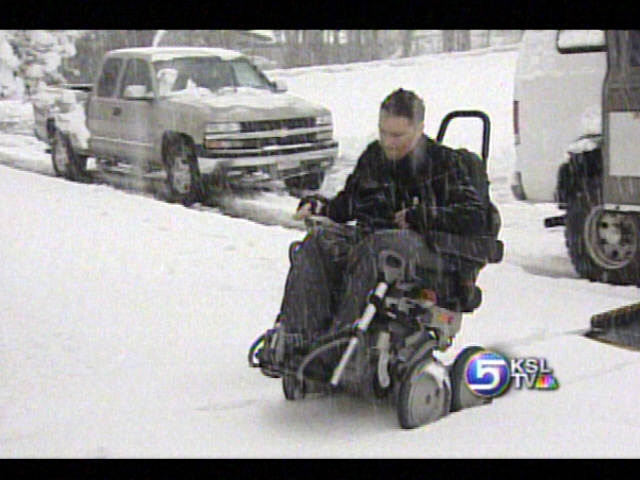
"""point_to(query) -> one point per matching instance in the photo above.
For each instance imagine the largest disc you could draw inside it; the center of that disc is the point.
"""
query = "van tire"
(587, 248)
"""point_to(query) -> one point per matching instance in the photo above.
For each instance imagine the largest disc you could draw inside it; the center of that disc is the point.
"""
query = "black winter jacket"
(427, 181)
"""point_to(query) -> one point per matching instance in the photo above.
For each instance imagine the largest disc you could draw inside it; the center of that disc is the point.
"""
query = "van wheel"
(66, 162)
(181, 167)
(603, 245)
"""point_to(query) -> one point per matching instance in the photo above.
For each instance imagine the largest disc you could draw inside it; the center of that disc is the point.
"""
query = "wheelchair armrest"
(480, 249)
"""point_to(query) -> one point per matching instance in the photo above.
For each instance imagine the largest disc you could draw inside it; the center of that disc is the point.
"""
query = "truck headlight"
(223, 127)
(323, 120)
(328, 135)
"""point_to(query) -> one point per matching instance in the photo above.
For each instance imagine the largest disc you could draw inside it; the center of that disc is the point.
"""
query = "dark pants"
(334, 269)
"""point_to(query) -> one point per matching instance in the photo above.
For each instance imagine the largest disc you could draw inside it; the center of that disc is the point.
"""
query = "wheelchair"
(388, 351)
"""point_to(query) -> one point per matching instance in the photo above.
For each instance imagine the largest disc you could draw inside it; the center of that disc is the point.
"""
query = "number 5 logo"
(487, 374)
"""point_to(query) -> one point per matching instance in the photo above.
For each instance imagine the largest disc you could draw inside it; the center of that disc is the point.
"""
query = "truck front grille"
(271, 137)
(288, 140)
(287, 123)
(271, 152)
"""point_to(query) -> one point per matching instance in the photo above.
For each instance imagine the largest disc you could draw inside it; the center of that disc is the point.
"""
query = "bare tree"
(463, 40)
(375, 39)
(448, 40)
(456, 40)
(291, 50)
(314, 45)
(407, 42)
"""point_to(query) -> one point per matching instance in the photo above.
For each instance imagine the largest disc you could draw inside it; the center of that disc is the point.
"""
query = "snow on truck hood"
(154, 54)
(246, 103)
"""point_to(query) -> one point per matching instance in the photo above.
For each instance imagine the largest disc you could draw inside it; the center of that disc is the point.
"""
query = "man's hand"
(304, 211)
(310, 205)
(400, 218)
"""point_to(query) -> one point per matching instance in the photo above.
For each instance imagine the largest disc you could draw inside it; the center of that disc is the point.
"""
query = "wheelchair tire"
(462, 395)
(293, 389)
(425, 395)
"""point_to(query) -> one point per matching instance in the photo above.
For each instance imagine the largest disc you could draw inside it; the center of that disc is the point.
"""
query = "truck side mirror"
(280, 86)
(137, 92)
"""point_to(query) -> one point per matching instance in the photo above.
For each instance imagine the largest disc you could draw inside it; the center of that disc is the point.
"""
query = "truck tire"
(181, 167)
(602, 245)
(66, 162)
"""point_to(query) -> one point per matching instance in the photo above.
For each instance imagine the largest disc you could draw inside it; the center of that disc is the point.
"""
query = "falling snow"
(126, 320)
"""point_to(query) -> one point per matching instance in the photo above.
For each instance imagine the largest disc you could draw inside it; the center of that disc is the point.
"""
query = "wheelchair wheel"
(463, 396)
(425, 395)
(292, 387)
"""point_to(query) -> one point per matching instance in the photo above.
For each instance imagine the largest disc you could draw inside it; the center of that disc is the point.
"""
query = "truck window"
(580, 41)
(136, 73)
(247, 75)
(211, 73)
(109, 77)
(204, 72)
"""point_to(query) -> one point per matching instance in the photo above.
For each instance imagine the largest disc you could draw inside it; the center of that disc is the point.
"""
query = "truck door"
(621, 152)
(135, 98)
(101, 111)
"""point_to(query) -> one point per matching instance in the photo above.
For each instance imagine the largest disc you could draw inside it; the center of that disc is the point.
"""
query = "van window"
(109, 77)
(579, 41)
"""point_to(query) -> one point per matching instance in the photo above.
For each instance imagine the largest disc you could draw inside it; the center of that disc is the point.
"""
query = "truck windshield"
(211, 73)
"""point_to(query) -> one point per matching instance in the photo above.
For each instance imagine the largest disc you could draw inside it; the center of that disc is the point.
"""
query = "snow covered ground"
(125, 321)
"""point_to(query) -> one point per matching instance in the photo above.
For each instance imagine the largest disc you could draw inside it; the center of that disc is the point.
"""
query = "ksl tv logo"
(489, 374)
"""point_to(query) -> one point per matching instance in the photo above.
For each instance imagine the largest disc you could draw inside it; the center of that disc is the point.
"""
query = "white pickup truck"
(197, 118)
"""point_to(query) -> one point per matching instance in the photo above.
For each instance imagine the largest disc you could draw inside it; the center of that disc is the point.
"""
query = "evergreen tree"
(28, 57)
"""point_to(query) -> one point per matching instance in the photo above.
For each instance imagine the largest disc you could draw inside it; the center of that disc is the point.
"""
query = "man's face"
(398, 135)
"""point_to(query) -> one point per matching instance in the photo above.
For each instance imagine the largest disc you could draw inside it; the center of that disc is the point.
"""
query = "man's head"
(401, 123)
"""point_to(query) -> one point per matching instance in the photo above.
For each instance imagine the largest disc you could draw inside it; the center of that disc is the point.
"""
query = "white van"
(557, 99)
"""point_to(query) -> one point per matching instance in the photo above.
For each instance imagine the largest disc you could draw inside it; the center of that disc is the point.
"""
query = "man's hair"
(404, 103)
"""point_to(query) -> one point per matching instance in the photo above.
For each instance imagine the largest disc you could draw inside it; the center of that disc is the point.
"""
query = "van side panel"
(560, 98)
(621, 180)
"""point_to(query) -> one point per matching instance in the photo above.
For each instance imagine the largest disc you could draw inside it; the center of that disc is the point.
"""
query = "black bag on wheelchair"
(472, 253)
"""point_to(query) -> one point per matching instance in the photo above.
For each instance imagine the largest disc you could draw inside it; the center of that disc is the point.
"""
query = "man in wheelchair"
(407, 193)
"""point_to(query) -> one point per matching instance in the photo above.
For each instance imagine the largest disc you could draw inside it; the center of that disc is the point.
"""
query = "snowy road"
(126, 320)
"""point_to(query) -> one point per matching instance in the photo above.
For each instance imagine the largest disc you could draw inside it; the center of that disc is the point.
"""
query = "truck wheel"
(603, 245)
(66, 162)
(181, 166)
